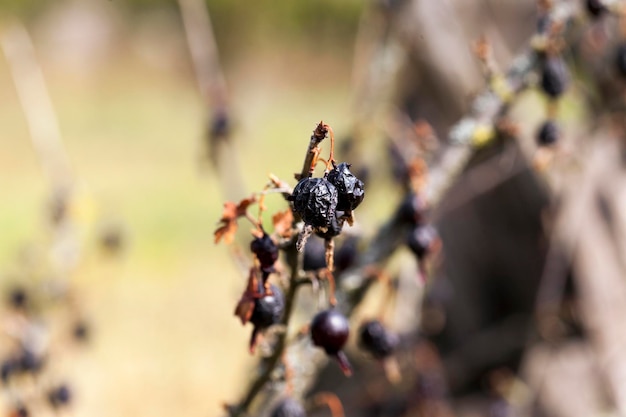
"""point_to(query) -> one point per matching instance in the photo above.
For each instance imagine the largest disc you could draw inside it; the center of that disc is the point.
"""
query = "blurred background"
(123, 232)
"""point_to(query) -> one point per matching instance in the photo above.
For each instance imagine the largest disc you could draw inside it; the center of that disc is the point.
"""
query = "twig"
(36, 104)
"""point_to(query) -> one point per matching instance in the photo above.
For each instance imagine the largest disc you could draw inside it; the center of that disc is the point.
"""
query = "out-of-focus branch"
(36, 104)
(203, 49)
(212, 87)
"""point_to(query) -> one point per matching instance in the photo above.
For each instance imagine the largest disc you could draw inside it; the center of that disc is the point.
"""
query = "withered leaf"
(282, 222)
(245, 306)
(227, 226)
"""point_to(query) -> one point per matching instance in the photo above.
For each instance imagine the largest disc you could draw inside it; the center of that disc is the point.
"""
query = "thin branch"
(36, 104)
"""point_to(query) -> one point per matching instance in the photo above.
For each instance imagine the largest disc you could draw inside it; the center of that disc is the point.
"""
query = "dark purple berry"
(30, 362)
(620, 59)
(268, 310)
(334, 228)
(288, 408)
(220, 125)
(346, 254)
(18, 298)
(80, 331)
(412, 210)
(421, 240)
(59, 396)
(314, 257)
(8, 367)
(548, 133)
(375, 339)
(19, 411)
(595, 8)
(349, 187)
(266, 252)
(315, 200)
(554, 76)
(330, 330)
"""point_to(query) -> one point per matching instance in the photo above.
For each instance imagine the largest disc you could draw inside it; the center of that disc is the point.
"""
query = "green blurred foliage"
(302, 19)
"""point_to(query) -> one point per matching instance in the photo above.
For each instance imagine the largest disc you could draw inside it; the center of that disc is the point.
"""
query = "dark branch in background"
(213, 89)
(36, 104)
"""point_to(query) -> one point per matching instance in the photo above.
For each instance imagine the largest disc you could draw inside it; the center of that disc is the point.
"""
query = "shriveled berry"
(59, 396)
(288, 408)
(330, 330)
(335, 225)
(421, 240)
(554, 76)
(595, 8)
(350, 188)
(315, 200)
(266, 252)
(374, 338)
(314, 254)
(548, 133)
(620, 59)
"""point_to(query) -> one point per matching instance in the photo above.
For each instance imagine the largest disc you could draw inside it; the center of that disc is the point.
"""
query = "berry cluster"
(325, 203)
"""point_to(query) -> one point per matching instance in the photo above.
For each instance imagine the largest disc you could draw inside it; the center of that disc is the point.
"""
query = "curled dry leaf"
(283, 221)
(228, 223)
(245, 306)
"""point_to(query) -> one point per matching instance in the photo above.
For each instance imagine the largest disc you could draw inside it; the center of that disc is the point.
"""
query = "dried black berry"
(334, 227)
(330, 331)
(620, 60)
(266, 252)
(314, 257)
(421, 240)
(554, 76)
(315, 200)
(548, 133)
(59, 396)
(268, 310)
(595, 8)
(375, 339)
(288, 408)
(349, 187)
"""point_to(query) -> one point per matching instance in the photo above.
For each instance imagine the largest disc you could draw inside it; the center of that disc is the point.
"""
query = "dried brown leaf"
(282, 222)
